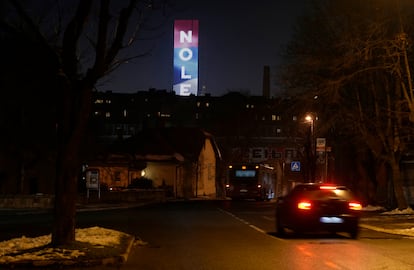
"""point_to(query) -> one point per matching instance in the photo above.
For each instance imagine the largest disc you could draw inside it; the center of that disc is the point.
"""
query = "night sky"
(237, 39)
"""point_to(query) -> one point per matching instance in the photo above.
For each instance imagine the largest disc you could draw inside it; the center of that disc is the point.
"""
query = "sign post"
(322, 156)
(92, 182)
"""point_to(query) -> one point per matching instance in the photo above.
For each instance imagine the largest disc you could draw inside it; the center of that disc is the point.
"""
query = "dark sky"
(237, 39)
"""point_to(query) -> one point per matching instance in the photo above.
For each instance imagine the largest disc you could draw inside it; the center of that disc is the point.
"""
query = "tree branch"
(71, 38)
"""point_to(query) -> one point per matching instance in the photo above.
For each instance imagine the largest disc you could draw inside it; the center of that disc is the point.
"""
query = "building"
(246, 128)
(181, 160)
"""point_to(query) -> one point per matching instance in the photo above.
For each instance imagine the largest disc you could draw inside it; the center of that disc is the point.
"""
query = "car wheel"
(280, 230)
(354, 232)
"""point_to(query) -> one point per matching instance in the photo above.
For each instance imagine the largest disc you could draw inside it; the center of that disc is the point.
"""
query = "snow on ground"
(37, 248)
(406, 214)
(407, 211)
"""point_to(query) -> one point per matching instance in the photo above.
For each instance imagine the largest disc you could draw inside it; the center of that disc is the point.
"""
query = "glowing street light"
(310, 120)
(311, 152)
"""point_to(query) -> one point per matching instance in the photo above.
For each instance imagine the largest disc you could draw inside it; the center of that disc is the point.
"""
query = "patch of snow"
(37, 249)
(407, 211)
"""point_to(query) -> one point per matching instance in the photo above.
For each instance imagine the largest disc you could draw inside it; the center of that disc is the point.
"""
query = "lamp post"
(311, 151)
(310, 120)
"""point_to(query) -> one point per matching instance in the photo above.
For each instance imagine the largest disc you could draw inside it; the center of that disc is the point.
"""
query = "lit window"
(198, 103)
(207, 104)
(294, 118)
(278, 130)
(247, 106)
(125, 113)
(108, 101)
(276, 117)
(107, 114)
(98, 101)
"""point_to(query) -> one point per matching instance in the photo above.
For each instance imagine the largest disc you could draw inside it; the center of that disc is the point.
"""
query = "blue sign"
(295, 166)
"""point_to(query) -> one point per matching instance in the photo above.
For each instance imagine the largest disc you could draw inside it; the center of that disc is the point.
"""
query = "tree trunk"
(398, 186)
(65, 203)
(63, 231)
(72, 122)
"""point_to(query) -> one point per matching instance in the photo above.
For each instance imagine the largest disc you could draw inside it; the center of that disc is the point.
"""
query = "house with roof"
(181, 160)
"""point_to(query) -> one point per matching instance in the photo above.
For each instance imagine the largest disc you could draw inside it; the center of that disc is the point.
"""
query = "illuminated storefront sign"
(185, 57)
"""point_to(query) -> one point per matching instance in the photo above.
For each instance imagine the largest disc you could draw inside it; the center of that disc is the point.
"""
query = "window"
(276, 117)
(117, 176)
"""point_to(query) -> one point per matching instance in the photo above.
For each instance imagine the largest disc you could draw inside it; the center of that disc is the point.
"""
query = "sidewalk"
(393, 222)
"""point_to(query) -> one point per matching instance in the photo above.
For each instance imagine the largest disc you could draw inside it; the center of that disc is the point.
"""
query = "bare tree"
(116, 28)
(350, 55)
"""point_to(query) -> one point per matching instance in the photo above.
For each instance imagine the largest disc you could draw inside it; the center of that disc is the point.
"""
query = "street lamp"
(310, 120)
(311, 151)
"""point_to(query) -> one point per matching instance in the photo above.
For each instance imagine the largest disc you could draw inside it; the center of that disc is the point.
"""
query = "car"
(318, 207)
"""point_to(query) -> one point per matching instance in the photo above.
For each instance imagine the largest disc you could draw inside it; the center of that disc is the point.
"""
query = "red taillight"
(355, 206)
(304, 205)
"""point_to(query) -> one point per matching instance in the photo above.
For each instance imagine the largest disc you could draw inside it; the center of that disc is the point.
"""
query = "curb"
(122, 258)
(379, 229)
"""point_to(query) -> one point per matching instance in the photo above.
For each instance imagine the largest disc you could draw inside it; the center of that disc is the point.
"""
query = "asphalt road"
(229, 235)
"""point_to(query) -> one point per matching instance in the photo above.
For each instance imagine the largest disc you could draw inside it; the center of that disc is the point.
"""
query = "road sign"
(320, 144)
(295, 166)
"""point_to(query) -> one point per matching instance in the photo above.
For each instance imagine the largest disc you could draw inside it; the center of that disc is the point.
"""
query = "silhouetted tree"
(354, 57)
(100, 30)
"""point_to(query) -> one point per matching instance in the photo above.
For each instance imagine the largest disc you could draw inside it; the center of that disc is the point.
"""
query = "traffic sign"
(295, 166)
